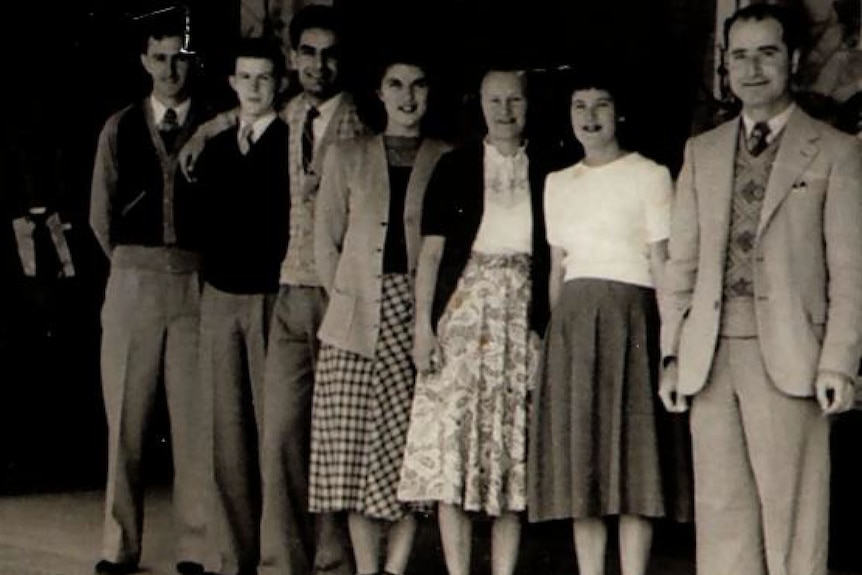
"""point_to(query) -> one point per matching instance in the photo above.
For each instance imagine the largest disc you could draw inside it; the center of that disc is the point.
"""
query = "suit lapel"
(717, 178)
(329, 135)
(795, 152)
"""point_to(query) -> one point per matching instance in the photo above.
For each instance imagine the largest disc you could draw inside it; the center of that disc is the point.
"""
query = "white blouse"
(507, 222)
(605, 217)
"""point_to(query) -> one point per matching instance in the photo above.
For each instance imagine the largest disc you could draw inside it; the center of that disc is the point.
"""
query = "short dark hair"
(159, 28)
(597, 79)
(604, 79)
(791, 22)
(261, 49)
(314, 16)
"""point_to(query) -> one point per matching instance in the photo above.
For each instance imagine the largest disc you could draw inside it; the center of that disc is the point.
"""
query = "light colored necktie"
(245, 140)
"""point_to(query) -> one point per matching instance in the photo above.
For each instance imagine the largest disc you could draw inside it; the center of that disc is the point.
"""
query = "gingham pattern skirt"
(361, 414)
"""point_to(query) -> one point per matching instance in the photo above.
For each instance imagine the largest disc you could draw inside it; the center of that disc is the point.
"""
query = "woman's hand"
(424, 347)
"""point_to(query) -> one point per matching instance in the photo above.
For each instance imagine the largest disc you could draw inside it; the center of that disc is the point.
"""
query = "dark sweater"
(148, 183)
(245, 202)
(453, 208)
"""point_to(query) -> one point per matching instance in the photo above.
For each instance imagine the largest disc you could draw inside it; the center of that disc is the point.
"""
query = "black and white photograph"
(431, 287)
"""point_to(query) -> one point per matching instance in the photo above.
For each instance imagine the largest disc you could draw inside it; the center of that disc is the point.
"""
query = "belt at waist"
(165, 259)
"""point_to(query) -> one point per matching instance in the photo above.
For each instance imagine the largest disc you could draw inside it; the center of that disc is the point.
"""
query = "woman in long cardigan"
(366, 248)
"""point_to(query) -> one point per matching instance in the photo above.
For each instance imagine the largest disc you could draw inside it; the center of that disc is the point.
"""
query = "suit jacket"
(807, 258)
(456, 195)
(350, 232)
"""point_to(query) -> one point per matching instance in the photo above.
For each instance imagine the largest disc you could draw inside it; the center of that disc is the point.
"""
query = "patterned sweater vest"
(750, 177)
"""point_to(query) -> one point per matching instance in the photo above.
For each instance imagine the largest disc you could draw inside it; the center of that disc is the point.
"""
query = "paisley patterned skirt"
(467, 440)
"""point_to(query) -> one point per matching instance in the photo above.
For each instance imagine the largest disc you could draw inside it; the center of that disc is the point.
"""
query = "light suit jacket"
(807, 258)
(350, 232)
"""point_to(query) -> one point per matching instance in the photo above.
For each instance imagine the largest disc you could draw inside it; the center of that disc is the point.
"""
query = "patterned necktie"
(758, 140)
(169, 128)
(308, 138)
(244, 138)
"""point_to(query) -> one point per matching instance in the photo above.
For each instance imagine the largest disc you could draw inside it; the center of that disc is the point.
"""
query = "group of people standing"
(389, 325)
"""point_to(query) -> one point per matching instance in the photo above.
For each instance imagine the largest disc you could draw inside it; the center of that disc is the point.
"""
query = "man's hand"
(835, 392)
(673, 401)
(189, 155)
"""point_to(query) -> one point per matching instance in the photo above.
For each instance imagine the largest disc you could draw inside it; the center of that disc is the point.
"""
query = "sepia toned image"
(431, 287)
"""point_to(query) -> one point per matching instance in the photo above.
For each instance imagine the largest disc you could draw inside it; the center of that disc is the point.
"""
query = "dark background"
(67, 65)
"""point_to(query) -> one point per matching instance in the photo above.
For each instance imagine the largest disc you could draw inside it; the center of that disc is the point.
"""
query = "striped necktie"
(758, 139)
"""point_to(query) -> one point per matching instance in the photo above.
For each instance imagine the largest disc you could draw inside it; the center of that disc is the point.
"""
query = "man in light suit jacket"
(762, 310)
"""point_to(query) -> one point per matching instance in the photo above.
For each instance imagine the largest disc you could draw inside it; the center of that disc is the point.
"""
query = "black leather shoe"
(190, 568)
(105, 567)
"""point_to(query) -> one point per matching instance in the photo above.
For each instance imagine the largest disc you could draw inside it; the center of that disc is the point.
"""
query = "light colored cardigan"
(350, 232)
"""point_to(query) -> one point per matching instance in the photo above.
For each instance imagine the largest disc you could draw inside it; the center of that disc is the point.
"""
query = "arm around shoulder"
(192, 150)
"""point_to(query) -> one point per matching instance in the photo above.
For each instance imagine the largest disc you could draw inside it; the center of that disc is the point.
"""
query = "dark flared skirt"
(597, 427)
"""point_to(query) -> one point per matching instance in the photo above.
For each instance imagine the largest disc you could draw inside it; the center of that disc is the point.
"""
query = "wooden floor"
(58, 534)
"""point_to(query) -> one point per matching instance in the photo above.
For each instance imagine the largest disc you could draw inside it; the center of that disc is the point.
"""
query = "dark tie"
(758, 140)
(308, 138)
(169, 128)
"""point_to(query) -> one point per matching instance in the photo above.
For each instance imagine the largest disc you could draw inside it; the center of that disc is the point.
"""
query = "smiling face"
(315, 60)
(168, 67)
(504, 105)
(594, 119)
(255, 82)
(404, 93)
(759, 66)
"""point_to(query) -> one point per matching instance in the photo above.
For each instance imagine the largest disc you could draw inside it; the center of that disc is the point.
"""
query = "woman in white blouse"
(479, 310)
(594, 452)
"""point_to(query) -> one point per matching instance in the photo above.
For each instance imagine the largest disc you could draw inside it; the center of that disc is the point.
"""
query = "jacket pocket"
(131, 205)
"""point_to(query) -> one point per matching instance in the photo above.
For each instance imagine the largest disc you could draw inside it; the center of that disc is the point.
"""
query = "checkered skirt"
(361, 413)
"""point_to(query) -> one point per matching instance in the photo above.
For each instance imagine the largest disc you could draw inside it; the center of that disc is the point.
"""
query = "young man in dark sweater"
(244, 197)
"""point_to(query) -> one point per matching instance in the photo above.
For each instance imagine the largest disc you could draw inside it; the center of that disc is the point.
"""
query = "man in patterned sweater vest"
(762, 310)
(142, 213)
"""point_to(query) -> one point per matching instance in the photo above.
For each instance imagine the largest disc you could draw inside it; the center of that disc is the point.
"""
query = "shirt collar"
(259, 126)
(776, 123)
(159, 110)
(327, 108)
(493, 154)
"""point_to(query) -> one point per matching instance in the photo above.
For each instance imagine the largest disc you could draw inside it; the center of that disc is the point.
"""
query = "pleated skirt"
(596, 423)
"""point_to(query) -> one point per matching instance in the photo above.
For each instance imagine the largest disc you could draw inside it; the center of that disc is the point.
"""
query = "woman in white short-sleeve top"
(594, 451)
